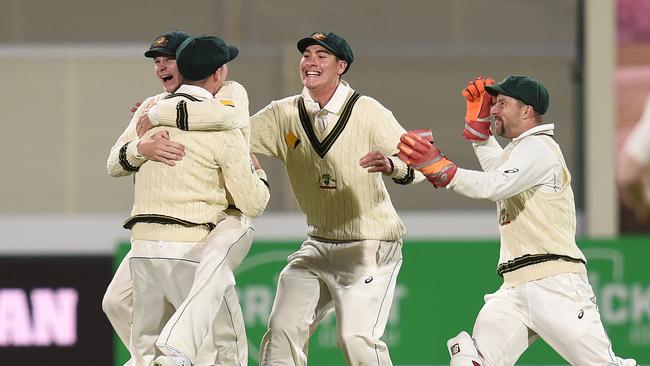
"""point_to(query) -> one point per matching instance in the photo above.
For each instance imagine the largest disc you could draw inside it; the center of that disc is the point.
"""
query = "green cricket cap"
(199, 56)
(524, 88)
(166, 44)
(331, 42)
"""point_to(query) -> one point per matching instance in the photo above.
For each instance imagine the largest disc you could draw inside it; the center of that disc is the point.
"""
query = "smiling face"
(166, 70)
(320, 70)
(511, 116)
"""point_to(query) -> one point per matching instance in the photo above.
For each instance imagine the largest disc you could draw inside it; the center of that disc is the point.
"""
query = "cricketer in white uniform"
(633, 173)
(228, 328)
(227, 343)
(351, 258)
(545, 292)
(183, 336)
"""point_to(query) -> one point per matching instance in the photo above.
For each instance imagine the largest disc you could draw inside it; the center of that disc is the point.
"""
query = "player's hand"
(135, 106)
(376, 161)
(423, 155)
(158, 147)
(144, 123)
(479, 102)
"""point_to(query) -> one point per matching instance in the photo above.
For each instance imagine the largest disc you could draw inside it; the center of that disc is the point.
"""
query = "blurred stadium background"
(71, 69)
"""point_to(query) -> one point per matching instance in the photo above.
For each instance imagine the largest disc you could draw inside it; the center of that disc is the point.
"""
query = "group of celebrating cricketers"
(197, 184)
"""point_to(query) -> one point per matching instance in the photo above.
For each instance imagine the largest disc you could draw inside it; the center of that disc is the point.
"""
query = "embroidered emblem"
(227, 102)
(318, 36)
(292, 140)
(326, 182)
(160, 42)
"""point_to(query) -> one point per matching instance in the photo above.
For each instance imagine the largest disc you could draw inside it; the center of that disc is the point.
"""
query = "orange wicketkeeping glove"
(423, 155)
(479, 102)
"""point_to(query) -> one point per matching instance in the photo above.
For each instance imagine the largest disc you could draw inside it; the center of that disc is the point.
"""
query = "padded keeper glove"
(479, 102)
(423, 155)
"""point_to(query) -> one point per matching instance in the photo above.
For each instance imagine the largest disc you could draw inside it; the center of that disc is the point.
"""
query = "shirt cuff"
(400, 169)
(133, 155)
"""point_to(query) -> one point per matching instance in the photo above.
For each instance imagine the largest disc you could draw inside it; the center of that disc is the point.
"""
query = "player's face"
(320, 70)
(508, 113)
(166, 70)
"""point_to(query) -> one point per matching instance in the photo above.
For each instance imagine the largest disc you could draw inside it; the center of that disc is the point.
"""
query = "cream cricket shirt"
(530, 182)
(194, 190)
(124, 158)
(321, 152)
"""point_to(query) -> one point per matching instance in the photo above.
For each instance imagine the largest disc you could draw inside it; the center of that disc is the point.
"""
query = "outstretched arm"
(228, 110)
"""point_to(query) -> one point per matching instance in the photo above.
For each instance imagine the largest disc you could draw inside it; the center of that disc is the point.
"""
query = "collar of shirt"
(194, 90)
(333, 106)
(547, 128)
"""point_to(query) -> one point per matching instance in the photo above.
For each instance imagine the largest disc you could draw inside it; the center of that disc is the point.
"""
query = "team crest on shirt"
(327, 182)
(292, 140)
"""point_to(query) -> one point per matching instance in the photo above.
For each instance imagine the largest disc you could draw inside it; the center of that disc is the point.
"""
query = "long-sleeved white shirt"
(530, 163)
(530, 182)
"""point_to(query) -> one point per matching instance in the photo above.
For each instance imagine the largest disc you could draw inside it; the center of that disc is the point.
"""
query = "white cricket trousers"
(356, 279)
(117, 303)
(212, 292)
(218, 346)
(163, 274)
(560, 309)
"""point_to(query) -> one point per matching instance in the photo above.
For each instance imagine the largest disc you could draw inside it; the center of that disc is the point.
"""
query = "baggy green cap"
(200, 56)
(524, 88)
(166, 44)
(332, 42)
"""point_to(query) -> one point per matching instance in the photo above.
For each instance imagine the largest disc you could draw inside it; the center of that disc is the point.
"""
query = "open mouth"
(166, 77)
(312, 73)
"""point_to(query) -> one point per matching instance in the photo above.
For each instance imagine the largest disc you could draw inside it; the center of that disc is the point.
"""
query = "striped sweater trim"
(530, 259)
(124, 162)
(181, 110)
(408, 178)
(163, 219)
(322, 148)
(184, 95)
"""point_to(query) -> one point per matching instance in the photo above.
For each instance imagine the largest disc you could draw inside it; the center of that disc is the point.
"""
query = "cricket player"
(183, 336)
(130, 152)
(633, 173)
(333, 142)
(545, 292)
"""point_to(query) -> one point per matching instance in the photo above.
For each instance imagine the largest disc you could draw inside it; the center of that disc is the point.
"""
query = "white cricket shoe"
(172, 361)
